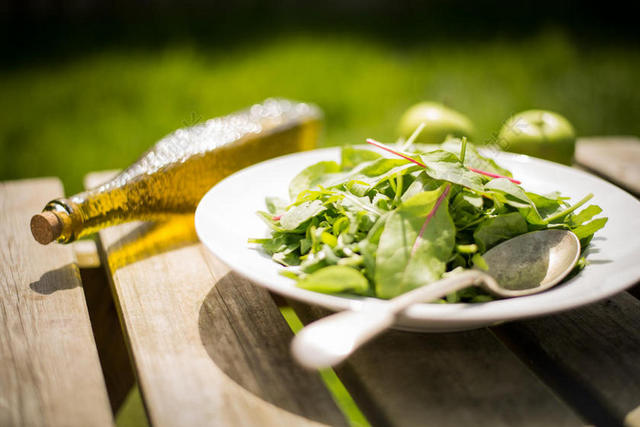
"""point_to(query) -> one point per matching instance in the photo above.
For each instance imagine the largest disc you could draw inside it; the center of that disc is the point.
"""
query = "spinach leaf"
(473, 158)
(466, 208)
(414, 247)
(352, 157)
(313, 176)
(335, 278)
(547, 207)
(301, 213)
(276, 205)
(446, 166)
(513, 195)
(370, 174)
(494, 230)
(423, 182)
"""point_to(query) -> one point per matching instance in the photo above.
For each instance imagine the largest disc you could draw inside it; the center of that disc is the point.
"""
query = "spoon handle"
(332, 339)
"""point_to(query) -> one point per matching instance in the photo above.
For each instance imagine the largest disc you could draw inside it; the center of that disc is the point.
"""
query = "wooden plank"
(589, 356)
(450, 379)
(209, 348)
(615, 158)
(49, 368)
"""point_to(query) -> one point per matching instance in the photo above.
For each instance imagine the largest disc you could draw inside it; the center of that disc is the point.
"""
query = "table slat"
(445, 379)
(590, 356)
(615, 158)
(209, 348)
(49, 368)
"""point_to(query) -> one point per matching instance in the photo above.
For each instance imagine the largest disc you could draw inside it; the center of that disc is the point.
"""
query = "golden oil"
(171, 178)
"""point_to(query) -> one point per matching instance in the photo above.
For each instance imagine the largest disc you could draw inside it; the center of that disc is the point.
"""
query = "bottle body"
(172, 176)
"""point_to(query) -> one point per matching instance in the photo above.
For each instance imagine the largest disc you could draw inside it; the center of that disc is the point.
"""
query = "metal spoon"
(524, 265)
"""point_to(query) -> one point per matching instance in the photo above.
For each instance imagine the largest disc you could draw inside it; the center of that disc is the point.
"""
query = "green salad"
(378, 226)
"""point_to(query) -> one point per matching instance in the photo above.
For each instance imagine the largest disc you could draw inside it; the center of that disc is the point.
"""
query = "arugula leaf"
(585, 215)
(587, 230)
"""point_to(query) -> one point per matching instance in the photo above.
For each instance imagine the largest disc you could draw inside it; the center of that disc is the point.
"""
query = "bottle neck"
(68, 215)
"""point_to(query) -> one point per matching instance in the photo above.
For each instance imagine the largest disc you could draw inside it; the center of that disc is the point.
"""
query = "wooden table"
(208, 348)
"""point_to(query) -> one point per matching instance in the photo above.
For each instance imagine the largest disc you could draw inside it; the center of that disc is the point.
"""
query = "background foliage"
(93, 89)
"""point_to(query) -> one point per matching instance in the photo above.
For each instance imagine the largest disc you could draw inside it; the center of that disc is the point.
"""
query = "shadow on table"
(66, 277)
(247, 338)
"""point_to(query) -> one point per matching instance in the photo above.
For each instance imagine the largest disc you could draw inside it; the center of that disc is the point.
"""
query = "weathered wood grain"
(49, 368)
(616, 159)
(208, 347)
(464, 378)
(590, 356)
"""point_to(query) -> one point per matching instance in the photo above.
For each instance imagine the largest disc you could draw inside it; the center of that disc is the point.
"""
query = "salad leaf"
(312, 176)
(276, 205)
(513, 195)
(415, 245)
(446, 166)
(335, 278)
(473, 158)
(466, 208)
(585, 215)
(371, 174)
(352, 157)
(378, 226)
(494, 230)
(301, 213)
(587, 230)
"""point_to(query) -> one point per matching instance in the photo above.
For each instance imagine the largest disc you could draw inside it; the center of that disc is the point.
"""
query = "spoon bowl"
(524, 265)
(531, 263)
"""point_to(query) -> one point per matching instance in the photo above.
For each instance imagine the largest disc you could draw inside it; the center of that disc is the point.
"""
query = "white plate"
(226, 218)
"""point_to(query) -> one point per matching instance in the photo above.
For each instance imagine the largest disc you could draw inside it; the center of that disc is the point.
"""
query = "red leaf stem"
(391, 150)
(494, 175)
(429, 216)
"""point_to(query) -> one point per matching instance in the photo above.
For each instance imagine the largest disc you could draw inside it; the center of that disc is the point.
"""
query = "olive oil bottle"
(176, 172)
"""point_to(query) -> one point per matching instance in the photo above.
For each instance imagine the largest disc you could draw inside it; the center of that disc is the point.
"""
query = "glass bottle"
(176, 172)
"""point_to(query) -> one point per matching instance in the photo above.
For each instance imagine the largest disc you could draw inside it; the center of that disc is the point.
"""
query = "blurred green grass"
(102, 110)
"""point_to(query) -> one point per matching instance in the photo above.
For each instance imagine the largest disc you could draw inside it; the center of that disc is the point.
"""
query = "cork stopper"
(46, 227)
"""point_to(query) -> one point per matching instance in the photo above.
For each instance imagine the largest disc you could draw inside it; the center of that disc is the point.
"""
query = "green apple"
(439, 121)
(539, 133)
